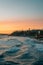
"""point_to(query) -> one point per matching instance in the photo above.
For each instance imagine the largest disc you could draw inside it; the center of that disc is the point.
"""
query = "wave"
(14, 51)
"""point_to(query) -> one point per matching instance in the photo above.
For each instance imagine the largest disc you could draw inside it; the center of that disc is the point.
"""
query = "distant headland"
(28, 33)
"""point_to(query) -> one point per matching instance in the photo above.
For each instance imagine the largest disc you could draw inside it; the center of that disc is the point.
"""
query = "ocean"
(20, 51)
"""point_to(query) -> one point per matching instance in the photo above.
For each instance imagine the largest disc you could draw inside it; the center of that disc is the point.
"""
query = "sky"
(20, 15)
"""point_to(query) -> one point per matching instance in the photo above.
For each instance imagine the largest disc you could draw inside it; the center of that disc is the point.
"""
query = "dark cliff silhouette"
(28, 33)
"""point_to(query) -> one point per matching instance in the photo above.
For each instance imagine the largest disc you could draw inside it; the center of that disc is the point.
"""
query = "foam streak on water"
(20, 51)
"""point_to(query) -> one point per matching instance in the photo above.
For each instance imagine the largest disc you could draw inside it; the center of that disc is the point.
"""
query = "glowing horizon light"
(15, 25)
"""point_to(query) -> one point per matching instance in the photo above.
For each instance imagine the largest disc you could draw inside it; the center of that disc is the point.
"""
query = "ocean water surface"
(20, 51)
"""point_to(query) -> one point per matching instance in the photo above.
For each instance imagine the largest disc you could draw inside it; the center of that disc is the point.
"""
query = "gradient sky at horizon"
(20, 14)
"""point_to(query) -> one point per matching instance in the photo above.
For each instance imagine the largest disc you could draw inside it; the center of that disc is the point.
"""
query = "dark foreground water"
(20, 51)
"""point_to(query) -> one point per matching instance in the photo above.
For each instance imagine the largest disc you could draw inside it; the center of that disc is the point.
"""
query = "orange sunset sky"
(20, 15)
(8, 26)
